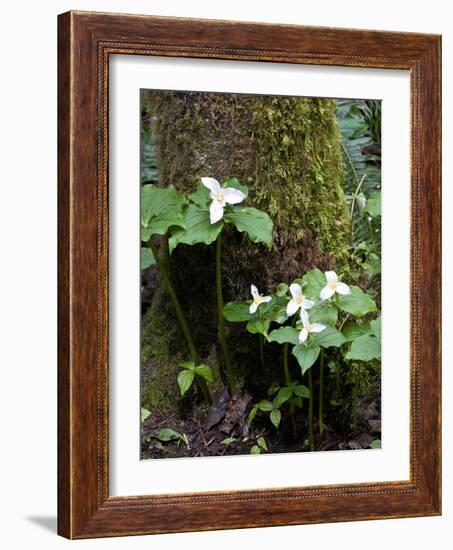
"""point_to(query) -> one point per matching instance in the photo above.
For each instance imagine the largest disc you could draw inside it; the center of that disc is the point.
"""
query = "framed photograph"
(249, 275)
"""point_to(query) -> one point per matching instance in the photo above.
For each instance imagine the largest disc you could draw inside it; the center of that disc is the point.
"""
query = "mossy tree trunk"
(288, 151)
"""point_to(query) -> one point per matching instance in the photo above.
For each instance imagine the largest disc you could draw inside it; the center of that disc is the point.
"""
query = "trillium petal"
(303, 335)
(304, 317)
(291, 308)
(326, 293)
(254, 290)
(212, 184)
(233, 196)
(331, 277)
(266, 298)
(215, 212)
(295, 290)
(307, 304)
(342, 288)
(317, 327)
(253, 307)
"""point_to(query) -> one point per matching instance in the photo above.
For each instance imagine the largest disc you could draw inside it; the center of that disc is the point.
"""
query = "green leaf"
(190, 365)
(161, 208)
(357, 302)
(255, 450)
(365, 348)
(306, 356)
(376, 444)
(185, 379)
(376, 328)
(265, 406)
(282, 289)
(302, 391)
(146, 258)
(237, 311)
(314, 280)
(262, 443)
(167, 434)
(228, 440)
(354, 330)
(275, 417)
(283, 395)
(235, 183)
(252, 413)
(200, 196)
(329, 337)
(373, 205)
(325, 313)
(255, 223)
(258, 326)
(204, 371)
(144, 413)
(198, 228)
(284, 334)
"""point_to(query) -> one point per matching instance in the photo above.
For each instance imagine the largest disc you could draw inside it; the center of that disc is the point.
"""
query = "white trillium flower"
(308, 327)
(257, 299)
(221, 196)
(333, 285)
(297, 301)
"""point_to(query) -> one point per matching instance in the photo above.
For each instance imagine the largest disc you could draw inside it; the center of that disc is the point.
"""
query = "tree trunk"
(287, 150)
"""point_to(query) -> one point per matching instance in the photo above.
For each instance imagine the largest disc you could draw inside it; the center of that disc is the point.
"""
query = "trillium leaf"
(376, 328)
(329, 337)
(255, 450)
(282, 289)
(275, 417)
(354, 330)
(198, 228)
(255, 223)
(190, 365)
(262, 443)
(146, 258)
(314, 280)
(161, 208)
(306, 355)
(144, 413)
(185, 379)
(204, 371)
(375, 444)
(365, 348)
(258, 326)
(284, 334)
(235, 184)
(325, 313)
(237, 311)
(302, 391)
(200, 196)
(357, 302)
(283, 395)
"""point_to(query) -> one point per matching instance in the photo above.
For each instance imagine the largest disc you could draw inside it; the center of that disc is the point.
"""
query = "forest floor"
(223, 430)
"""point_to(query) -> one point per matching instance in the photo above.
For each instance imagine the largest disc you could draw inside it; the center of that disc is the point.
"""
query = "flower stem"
(263, 364)
(201, 382)
(321, 392)
(310, 412)
(226, 355)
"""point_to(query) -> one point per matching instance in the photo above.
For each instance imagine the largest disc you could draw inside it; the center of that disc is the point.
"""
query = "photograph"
(260, 230)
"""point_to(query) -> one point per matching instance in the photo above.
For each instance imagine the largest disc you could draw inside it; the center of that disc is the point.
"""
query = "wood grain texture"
(86, 40)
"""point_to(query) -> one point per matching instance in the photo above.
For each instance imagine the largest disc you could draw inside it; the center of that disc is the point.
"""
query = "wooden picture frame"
(85, 41)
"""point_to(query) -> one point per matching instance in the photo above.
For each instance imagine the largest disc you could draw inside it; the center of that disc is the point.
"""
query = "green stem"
(263, 365)
(321, 392)
(182, 320)
(226, 356)
(310, 412)
(287, 375)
